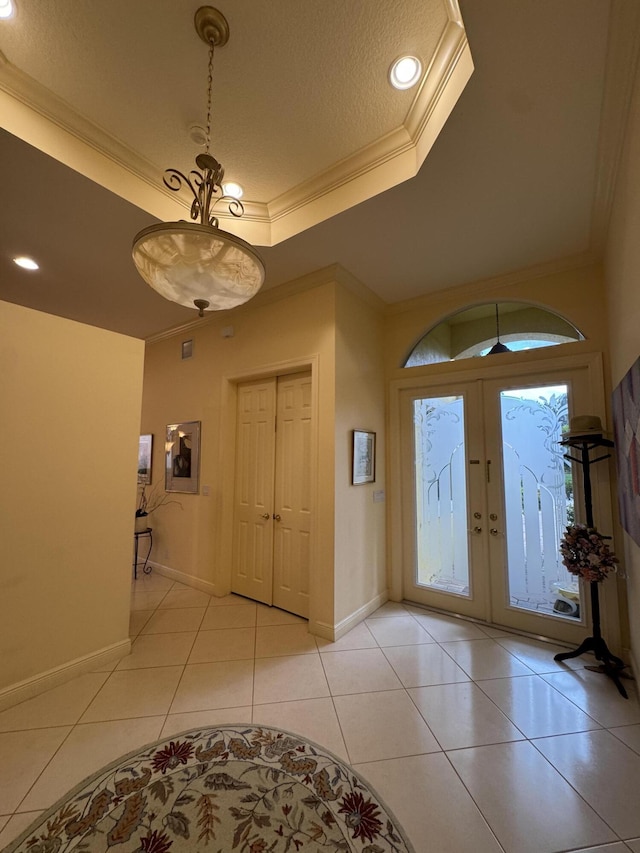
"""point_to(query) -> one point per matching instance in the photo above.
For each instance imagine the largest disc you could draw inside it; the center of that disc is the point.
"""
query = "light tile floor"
(476, 738)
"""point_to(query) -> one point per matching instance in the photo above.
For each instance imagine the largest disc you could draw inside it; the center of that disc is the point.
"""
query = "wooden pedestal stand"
(609, 664)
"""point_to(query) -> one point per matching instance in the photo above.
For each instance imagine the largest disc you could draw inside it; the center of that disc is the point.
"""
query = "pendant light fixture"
(196, 263)
(498, 347)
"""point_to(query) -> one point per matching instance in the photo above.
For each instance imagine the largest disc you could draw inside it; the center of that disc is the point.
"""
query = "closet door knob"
(276, 517)
(265, 515)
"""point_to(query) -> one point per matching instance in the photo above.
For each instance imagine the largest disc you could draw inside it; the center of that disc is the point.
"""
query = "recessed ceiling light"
(232, 189)
(6, 8)
(405, 72)
(26, 263)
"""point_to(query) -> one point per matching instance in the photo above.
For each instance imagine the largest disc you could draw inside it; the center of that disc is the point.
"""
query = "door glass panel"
(441, 494)
(538, 499)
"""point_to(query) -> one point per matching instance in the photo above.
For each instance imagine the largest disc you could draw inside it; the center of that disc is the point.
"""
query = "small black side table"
(137, 535)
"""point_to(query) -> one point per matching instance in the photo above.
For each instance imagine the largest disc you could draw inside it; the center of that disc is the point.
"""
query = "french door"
(272, 515)
(487, 493)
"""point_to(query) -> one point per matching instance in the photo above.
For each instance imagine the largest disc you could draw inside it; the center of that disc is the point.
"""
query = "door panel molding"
(252, 571)
(223, 507)
(291, 494)
(272, 500)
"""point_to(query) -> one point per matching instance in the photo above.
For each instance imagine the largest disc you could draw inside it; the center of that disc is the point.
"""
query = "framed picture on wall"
(364, 457)
(626, 422)
(182, 457)
(145, 449)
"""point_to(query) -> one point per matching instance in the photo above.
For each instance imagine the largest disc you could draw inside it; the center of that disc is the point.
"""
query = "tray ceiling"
(303, 118)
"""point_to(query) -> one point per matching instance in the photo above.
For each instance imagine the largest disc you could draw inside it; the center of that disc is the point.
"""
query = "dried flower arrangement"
(586, 554)
(152, 500)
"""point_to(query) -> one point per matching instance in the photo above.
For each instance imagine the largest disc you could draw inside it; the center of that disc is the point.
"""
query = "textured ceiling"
(139, 71)
(519, 175)
(303, 115)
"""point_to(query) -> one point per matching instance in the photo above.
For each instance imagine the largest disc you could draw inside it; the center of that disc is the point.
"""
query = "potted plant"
(148, 502)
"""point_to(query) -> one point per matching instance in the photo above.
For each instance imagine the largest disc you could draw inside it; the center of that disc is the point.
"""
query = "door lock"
(276, 517)
(477, 515)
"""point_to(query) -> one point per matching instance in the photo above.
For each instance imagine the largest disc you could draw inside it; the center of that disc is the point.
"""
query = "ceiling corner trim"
(39, 117)
(453, 11)
(35, 114)
(623, 55)
(448, 74)
(389, 160)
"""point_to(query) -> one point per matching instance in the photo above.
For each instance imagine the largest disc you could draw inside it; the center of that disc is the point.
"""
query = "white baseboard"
(189, 580)
(30, 687)
(334, 632)
(317, 628)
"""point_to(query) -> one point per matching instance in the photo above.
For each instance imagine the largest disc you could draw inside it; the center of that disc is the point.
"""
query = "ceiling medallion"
(196, 263)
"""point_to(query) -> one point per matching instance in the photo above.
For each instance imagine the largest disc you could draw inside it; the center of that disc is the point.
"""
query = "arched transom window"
(489, 329)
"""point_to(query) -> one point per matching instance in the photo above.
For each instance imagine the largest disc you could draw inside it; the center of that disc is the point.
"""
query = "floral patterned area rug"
(252, 789)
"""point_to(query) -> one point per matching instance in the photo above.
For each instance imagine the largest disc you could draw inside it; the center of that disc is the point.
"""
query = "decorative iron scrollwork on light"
(196, 263)
(204, 186)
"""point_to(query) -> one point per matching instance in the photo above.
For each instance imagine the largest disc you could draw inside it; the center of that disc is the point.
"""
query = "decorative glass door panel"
(486, 495)
(442, 463)
(538, 499)
(441, 494)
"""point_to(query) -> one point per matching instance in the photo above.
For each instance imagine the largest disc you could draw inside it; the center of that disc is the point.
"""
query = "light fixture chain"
(209, 97)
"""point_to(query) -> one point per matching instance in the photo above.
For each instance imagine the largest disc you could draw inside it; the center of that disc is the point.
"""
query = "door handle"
(477, 529)
(276, 517)
(265, 515)
(494, 531)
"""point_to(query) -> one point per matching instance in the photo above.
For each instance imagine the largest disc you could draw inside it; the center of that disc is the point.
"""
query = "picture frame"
(364, 457)
(182, 457)
(145, 453)
(626, 424)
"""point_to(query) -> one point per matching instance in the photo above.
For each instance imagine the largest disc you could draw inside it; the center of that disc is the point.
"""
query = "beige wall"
(71, 398)
(270, 337)
(332, 325)
(577, 294)
(622, 270)
(360, 563)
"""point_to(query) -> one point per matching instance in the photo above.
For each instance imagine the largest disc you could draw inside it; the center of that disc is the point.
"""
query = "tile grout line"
(578, 794)
(72, 728)
(318, 651)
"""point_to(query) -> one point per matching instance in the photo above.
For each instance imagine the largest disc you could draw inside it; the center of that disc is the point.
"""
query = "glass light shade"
(497, 348)
(185, 261)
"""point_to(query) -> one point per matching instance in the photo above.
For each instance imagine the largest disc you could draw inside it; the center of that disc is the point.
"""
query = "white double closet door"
(272, 501)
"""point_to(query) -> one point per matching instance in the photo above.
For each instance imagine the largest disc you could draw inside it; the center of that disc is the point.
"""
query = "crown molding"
(495, 283)
(332, 274)
(35, 114)
(38, 116)
(392, 158)
(326, 275)
(623, 51)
